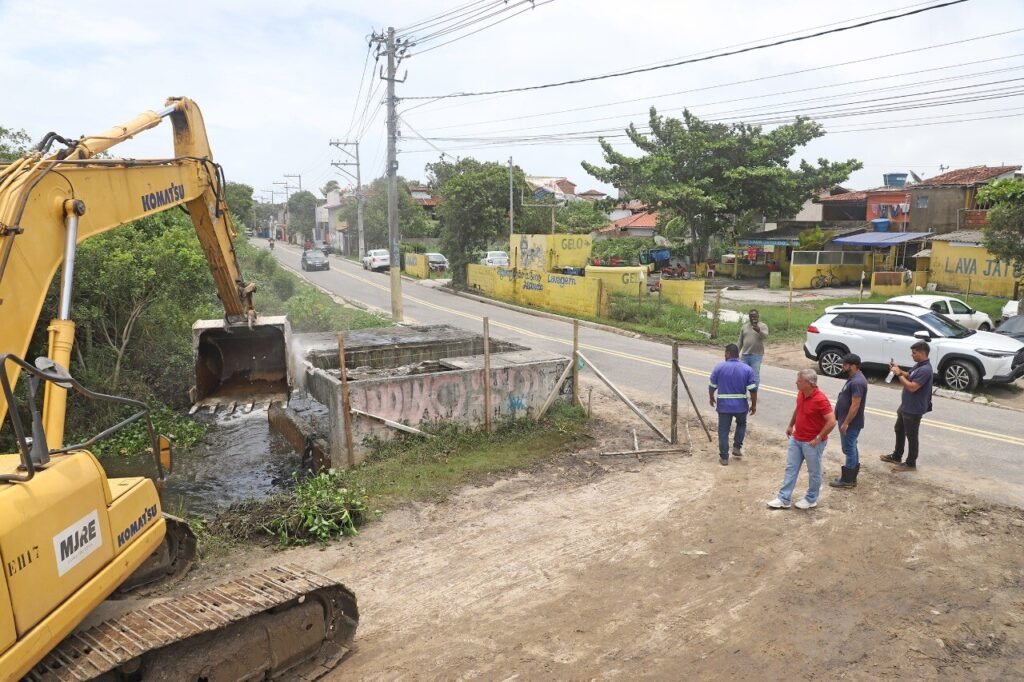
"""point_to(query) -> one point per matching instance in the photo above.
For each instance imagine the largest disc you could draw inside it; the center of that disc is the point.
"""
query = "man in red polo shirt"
(808, 433)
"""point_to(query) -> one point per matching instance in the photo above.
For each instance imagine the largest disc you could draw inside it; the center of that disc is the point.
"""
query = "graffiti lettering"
(562, 280)
(630, 278)
(516, 402)
(575, 243)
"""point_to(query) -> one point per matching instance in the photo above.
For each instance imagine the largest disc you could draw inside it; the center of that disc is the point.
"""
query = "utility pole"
(273, 194)
(394, 232)
(553, 208)
(287, 215)
(360, 199)
(511, 204)
(297, 175)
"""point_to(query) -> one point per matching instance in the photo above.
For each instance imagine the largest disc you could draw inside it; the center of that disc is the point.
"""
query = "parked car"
(495, 259)
(314, 259)
(1010, 309)
(879, 332)
(437, 262)
(953, 308)
(1012, 327)
(377, 260)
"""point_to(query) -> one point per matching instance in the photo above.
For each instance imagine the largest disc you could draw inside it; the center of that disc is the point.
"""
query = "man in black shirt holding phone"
(915, 402)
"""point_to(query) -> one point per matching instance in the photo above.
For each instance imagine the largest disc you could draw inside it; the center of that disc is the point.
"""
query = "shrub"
(283, 284)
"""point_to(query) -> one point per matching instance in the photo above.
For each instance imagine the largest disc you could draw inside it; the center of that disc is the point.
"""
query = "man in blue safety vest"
(732, 380)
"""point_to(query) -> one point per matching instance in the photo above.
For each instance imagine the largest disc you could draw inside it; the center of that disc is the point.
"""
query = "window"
(922, 201)
(939, 307)
(904, 326)
(869, 322)
(841, 321)
(959, 308)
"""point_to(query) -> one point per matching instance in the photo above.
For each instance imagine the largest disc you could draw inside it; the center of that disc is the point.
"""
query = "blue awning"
(869, 239)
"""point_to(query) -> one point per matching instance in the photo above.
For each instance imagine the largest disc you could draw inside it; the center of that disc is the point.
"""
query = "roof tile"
(966, 176)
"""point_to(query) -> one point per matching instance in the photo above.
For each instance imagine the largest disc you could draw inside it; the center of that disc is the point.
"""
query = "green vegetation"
(626, 249)
(414, 220)
(332, 504)
(714, 176)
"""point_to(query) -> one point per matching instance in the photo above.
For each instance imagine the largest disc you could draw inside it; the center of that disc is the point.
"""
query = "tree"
(265, 215)
(411, 217)
(474, 207)
(1003, 236)
(709, 174)
(13, 144)
(124, 275)
(239, 198)
(580, 217)
(302, 213)
(331, 186)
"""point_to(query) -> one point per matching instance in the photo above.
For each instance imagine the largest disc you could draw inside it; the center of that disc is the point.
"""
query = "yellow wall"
(686, 292)
(920, 279)
(416, 265)
(632, 280)
(560, 293)
(971, 267)
(547, 252)
(800, 276)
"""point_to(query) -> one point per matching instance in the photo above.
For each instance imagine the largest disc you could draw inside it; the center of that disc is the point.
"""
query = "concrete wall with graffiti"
(568, 294)
(517, 390)
(961, 267)
(685, 292)
(549, 252)
(631, 280)
(416, 265)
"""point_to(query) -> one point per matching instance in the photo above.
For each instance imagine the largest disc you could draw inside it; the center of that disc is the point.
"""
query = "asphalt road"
(964, 446)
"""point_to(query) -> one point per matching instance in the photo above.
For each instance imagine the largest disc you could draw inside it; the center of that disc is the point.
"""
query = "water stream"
(239, 458)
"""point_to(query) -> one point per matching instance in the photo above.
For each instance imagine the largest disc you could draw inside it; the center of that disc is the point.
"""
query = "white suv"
(879, 332)
(377, 259)
(495, 259)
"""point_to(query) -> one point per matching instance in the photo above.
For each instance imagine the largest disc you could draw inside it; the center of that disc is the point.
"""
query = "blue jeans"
(802, 452)
(849, 443)
(754, 363)
(724, 424)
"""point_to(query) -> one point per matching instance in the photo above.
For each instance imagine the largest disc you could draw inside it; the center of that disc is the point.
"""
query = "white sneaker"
(802, 503)
(779, 503)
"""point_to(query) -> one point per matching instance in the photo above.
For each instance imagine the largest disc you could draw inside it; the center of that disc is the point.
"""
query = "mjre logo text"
(77, 540)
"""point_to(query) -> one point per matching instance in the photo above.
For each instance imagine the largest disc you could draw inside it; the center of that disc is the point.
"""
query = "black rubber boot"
(847, 479)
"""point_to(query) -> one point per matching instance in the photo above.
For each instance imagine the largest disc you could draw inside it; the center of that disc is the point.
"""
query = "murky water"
(240, 458)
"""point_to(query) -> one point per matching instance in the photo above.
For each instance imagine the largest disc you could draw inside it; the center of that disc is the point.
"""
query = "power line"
(466, 21)
(746, 81)
(694, 60)
(359, 90)
(533, 5)
(431, 20)
(813, 88)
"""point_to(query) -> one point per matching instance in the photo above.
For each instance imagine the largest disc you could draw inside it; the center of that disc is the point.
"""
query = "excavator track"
(282, 622)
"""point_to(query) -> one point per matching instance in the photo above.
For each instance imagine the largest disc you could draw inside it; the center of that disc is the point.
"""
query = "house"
(626, 208)
(544, 186)
(592, 195)
(844, 207)
(960, 262)
(329, 225)
(424, 196)
(948, 202)
(640, 225)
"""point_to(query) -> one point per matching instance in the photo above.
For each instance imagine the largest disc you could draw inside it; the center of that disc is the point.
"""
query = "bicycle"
(822, 279)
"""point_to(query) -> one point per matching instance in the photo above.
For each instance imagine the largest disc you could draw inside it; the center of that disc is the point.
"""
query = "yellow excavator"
(70, 536)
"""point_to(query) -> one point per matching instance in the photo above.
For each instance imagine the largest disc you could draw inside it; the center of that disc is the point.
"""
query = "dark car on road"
(314, 259)
(1012, 327)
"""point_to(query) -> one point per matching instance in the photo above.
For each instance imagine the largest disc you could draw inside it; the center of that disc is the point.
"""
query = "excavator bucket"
(240, 364)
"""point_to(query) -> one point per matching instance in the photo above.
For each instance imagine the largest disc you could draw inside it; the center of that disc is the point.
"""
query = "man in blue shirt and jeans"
(915, 402)
(850, 417)
(732, 380)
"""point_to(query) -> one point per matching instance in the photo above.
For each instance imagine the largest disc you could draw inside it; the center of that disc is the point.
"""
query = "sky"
(277, 81)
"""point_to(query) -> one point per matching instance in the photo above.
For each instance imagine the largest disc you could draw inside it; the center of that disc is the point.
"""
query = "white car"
(495, 259)
(377, 260)
(1010, 309)
(880, 332)
(953, 308)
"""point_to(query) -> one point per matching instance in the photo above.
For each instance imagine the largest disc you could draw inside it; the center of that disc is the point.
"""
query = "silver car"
(495, 259)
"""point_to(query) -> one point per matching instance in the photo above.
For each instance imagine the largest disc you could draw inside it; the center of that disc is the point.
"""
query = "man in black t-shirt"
(850, 406)
(915, 402)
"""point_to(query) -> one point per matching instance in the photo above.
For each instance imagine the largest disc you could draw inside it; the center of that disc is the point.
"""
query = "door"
(963, 314)
(900, 337)
(867, 337)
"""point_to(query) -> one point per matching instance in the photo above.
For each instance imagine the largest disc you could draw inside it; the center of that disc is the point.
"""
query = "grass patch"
(333, 504)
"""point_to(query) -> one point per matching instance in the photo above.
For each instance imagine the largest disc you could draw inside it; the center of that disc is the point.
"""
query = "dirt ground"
(592, 567)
